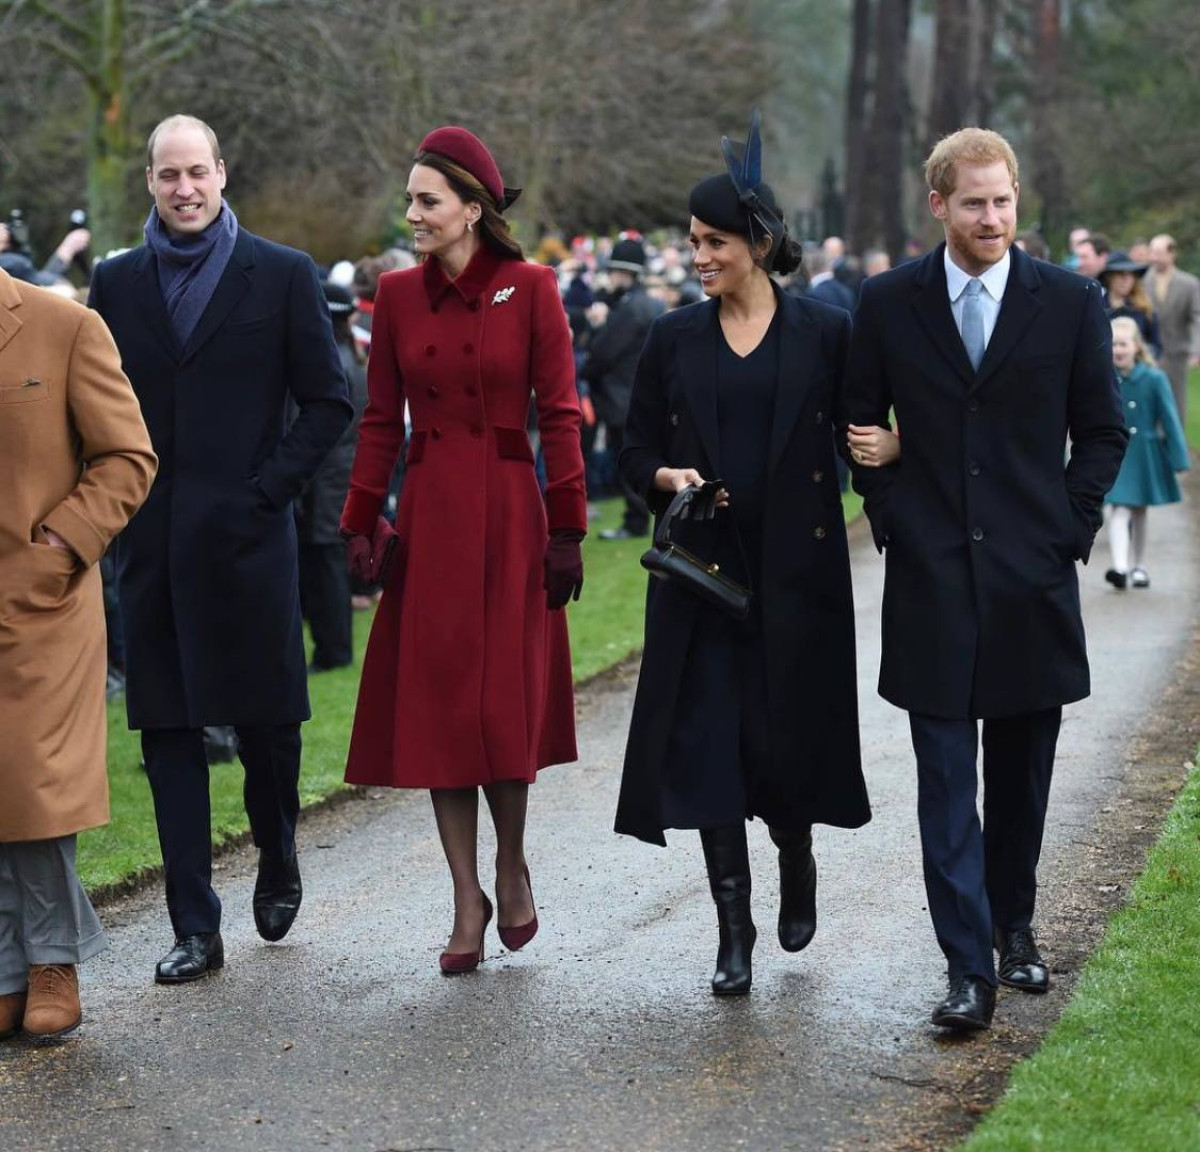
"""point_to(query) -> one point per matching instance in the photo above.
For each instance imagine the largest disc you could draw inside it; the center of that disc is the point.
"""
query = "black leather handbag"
(669, 561)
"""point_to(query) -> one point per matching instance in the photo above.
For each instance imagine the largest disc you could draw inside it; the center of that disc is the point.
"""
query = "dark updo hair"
(493, 228)
(788, 257)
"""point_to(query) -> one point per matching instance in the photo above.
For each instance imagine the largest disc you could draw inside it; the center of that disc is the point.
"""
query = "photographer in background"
(16, 261)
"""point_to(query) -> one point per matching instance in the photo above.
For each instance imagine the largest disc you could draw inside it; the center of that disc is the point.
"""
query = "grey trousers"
(45, 915)
(1175, 365)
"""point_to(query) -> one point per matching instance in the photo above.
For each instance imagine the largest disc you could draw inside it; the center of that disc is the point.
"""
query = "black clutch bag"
(669, 561)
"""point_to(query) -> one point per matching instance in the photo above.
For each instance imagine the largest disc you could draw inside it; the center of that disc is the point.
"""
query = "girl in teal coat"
(1157, 450)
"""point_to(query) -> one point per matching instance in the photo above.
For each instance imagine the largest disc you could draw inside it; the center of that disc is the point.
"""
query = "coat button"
(468, 348)
(674, 419)
(818, 476)
(436, 433)
(1132, 403)
(972, 405)
(974, 469)
(432, 391)
(977, 535)
(818, 533)
(476, 432)
(820, 417)
(1132, 431)
(430, 350)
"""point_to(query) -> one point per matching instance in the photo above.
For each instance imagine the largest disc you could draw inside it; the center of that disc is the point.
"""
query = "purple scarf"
(189, 268)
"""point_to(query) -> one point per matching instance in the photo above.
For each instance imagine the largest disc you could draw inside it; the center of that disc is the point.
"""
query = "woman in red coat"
(467, 676)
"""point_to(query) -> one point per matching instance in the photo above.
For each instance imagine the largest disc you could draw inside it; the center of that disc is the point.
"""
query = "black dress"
(720, 730)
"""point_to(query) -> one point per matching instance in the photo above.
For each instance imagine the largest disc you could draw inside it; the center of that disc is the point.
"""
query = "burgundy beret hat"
(469, 152)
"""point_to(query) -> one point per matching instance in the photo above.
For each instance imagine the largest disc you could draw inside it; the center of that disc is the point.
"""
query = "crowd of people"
(424, 429)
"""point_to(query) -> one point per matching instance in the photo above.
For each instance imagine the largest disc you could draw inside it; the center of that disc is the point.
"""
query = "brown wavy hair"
(493, 228)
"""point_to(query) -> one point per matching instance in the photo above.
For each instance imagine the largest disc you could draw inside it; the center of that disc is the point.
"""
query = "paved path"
(602, 1034)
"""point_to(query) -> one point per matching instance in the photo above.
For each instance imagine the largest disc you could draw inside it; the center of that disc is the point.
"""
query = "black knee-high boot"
(797, 887)
(728, 864)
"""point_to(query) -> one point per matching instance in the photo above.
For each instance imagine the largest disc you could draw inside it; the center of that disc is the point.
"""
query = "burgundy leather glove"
(369, 559)
(563, 578)
(358, 556)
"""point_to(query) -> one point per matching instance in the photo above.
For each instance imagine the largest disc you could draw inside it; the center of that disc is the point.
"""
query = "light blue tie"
(972, 322)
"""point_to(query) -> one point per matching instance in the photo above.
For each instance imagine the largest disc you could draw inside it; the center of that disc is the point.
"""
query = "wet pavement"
(602, 1034)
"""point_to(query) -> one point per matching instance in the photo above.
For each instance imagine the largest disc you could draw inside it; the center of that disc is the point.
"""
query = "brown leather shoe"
(53, 1006)
(12, 1012)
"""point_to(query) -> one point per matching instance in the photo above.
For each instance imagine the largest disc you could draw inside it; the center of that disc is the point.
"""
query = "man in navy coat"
(990, 360)
(216, 329)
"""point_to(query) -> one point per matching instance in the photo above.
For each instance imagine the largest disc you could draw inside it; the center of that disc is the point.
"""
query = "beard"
(967, 243)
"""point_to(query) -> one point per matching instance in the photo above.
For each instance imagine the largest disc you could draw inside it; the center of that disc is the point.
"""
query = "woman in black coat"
(737, 719)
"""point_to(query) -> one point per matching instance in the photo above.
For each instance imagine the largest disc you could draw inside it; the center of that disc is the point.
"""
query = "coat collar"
(799, 351)
(1019, 306)
(10, 300)
(230, 289)
(469, 284)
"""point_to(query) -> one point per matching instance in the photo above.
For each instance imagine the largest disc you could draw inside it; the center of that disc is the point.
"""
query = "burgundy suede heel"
(455, 963)
(515, 938)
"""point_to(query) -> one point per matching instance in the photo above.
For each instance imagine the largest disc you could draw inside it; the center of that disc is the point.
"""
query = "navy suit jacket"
(207, 569)
(983, 516)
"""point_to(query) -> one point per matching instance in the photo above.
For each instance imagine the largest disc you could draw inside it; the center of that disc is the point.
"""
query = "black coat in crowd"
(805, 594)
(981, 519)
(207, 568)
(319, 509)
(613, 352)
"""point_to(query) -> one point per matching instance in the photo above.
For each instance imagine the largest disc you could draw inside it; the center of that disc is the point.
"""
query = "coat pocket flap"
(513, 444)
(25, 393)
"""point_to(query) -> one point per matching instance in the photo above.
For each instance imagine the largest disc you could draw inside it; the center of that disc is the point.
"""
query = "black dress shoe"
(277, 895)
(192, 958)
(727, 860)
(969, 1006)
(1021, 965)
(1117, 579)
(797, 888)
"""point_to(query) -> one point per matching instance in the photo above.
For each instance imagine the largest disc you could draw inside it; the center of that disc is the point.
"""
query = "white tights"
(1126, 528)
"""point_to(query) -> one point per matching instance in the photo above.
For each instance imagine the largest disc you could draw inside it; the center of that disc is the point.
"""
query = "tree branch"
(68, 56)
(67, 23)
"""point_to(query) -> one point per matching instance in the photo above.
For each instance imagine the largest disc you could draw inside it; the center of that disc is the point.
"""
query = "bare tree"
(1045, 110)
(118, 48)
(882, 219)
(952, 68)
(857, 92)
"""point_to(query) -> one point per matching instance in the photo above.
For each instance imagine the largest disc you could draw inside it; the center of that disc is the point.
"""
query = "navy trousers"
(980, 879)
(178, 772)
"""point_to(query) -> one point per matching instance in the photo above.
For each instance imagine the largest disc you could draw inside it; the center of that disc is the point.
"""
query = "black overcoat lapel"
(697, 365)
(150, 303)
(799, 365)
(931, 300)
(1017, 311)
(232, 286)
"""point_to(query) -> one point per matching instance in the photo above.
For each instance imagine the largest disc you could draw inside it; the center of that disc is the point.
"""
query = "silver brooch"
(504, 295)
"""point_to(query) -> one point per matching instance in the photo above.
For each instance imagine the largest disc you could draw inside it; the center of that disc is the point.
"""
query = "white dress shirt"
(993, 281)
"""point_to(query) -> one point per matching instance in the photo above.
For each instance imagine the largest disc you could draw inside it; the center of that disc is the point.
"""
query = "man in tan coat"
(75, 464)
(1176, 299)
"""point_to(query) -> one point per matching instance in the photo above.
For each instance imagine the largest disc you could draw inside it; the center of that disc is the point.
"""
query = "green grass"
(1120, 1071)
(1192, 424)
(605, 625)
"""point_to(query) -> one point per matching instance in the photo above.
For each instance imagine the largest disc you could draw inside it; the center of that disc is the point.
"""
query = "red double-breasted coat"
(467, 675)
